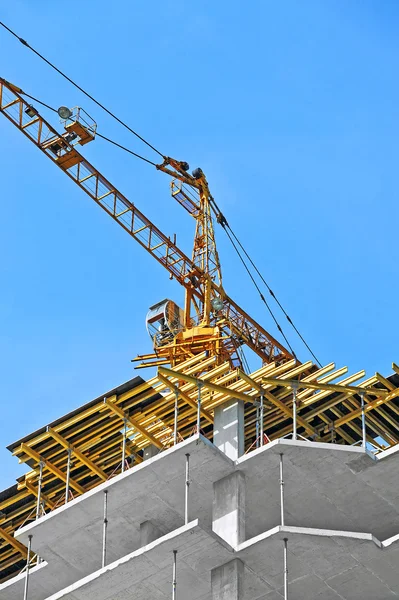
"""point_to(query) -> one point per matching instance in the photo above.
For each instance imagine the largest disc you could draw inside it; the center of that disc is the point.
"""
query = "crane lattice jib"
(237, 322)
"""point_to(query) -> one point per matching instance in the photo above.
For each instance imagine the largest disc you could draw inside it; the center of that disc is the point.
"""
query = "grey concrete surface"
(147, 572)
(228, 514)
(330, 492)
(227, 581)
(13, 589)
(326, 485)
(228, 428)
(323, 564)
(70, 537)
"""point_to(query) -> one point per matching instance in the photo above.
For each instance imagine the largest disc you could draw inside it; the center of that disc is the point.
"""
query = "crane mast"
(210, 320)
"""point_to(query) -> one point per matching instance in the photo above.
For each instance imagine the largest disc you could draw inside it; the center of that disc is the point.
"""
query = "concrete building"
(212, 517)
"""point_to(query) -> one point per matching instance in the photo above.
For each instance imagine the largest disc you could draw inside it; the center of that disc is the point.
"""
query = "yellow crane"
(210, 320)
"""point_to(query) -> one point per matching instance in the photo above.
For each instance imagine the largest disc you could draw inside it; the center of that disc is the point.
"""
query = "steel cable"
(25, 43)
(104, 137)
(261, 295)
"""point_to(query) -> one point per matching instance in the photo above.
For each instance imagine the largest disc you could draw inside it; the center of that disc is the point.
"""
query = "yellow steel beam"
(325, 386)
(385, 381)
(133, 422)
(319, 373)
(12, 500)
(186, 398)
(55, 470)
(285, 409)
(326, 379)
(13, 542)
(206, 384)
(370, 406)
(79, 455)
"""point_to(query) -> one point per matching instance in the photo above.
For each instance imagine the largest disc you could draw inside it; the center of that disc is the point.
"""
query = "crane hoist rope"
(219, 215)
(230, 234)
(211, 321)
(25, 43)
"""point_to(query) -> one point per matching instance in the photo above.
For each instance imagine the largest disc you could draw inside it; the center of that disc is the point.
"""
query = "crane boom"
(233, 320)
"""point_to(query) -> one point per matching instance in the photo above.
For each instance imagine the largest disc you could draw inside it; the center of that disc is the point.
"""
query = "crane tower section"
(210, 321)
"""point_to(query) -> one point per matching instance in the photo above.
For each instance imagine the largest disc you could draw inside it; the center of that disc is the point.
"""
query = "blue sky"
(290, 108)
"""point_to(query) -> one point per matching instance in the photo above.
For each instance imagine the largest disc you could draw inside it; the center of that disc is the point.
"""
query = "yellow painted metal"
(206, 384)
(384, 381)
(97, 428)
(111, 404)
(79, 455)
(199, 275)
(50, 466)
(370, 406)
(325, 386)
(13, 542)
(202, 353)
(186, 398)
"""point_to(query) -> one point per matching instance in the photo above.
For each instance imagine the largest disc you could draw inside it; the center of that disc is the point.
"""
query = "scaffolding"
(101, 439)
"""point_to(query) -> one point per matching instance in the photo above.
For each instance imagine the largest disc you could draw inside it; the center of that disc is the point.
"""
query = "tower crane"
(210, 321)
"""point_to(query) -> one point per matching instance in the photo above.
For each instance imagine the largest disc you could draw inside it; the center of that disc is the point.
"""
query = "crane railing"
(63, 153)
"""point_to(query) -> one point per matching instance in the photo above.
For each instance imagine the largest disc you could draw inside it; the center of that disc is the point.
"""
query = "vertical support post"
(199, 408)
(176, 415)
(27, 568)
(257, 427)
(39, 490)
(124, 444)
(174, 582)
(68, 476)
(187, 489)
(363, 421)
(281, 490)
(285, 569)
(105, 524)
(261, 418)
(294, 409)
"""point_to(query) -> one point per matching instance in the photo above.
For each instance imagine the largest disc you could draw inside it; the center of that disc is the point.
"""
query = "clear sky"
(290, 108)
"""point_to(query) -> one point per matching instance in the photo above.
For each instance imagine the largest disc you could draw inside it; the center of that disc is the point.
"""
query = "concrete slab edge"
(114, 565)
(21, 576)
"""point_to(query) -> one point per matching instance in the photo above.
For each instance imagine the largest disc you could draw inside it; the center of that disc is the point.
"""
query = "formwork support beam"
(204, 413)
(207, 384)
(132, 422)
(12, 541)
(52, 468)
(79, 455)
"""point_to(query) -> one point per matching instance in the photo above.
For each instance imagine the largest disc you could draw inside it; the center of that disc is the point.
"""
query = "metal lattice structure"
(231, 322)
(195, 375)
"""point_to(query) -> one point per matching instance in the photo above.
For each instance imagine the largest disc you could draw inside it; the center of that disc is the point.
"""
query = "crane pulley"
(210, 320)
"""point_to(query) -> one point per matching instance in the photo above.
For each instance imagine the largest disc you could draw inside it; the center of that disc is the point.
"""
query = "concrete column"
(150, 451)
(149, 533)
(227, 581)
(228, 428)
(228, 516)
